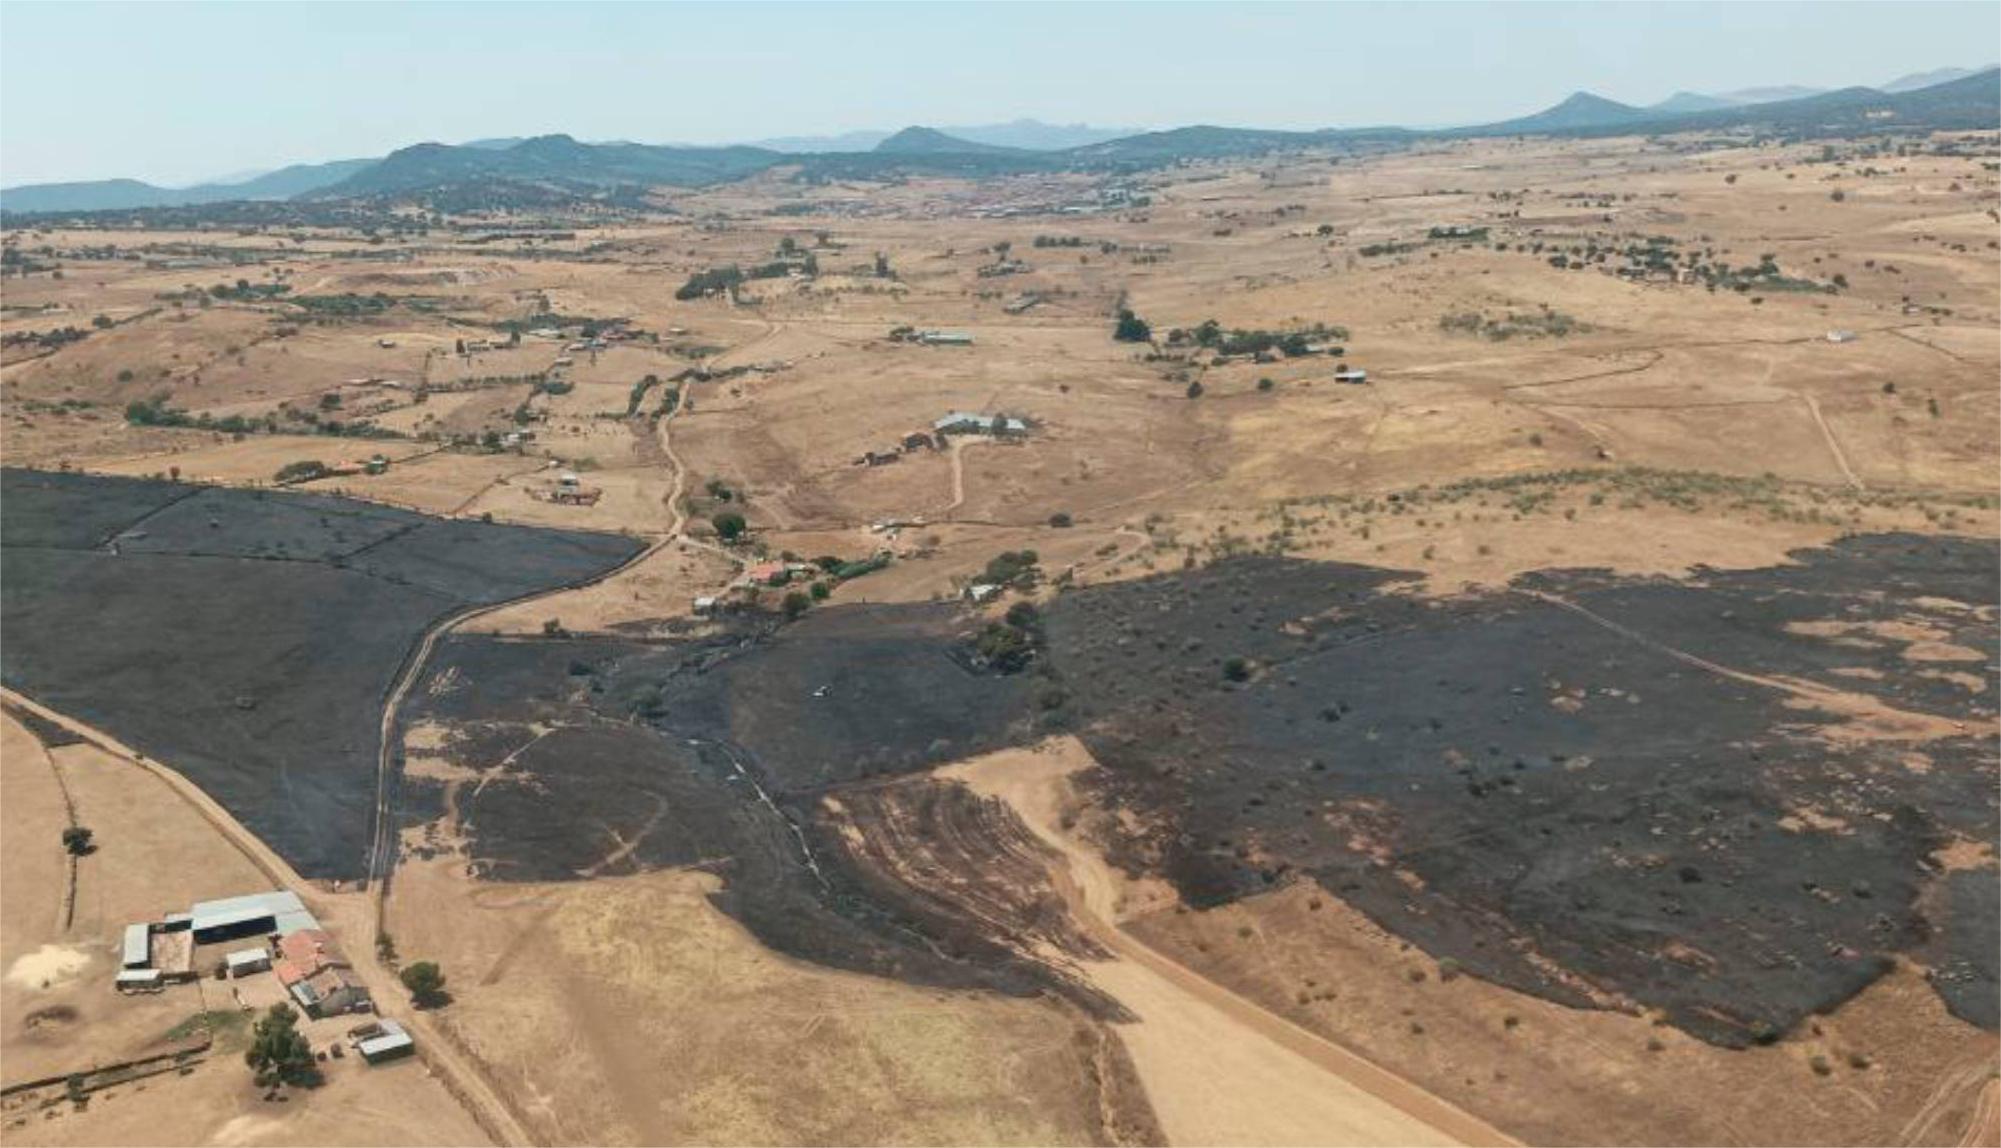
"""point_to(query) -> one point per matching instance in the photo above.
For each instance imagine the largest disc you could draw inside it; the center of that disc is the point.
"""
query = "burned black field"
(1717, 797)
(249, 638)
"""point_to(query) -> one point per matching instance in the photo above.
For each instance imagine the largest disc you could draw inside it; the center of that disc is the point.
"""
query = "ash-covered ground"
(1719, 796)
(248, 638)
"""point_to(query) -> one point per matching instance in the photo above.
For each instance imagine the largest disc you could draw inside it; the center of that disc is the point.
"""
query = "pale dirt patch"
(47, 967)
(1217, 1069)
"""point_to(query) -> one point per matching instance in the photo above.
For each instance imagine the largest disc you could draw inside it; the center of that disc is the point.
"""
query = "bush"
(1236, 670)
(1131, 328)
(819, 590)
(1060, 519)
(426, 984)
(1012, 568)
(729, 525)
(1266, 384)
(304, 470)
(1006, 648)
(1195, 389)
(796, 603)
(77, 841)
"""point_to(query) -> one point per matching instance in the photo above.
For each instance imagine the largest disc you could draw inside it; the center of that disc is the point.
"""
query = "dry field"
(58, 1014)
(1518, 416)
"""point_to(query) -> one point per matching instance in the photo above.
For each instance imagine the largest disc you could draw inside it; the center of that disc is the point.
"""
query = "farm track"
(444, 1056)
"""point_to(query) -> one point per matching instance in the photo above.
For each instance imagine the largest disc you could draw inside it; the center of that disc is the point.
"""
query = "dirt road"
(347, 916)
(1217, 1068)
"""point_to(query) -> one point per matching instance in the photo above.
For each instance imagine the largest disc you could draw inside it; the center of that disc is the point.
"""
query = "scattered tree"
(77, 840)
(426, 984)
(795, 604)
(1131, 328)
(729, 525)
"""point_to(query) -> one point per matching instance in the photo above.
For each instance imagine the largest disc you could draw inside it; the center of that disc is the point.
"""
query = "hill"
(555, 159)
(931, 141)
(1691, 102)
(1581, 110)
(128, 194)
(1931, 79)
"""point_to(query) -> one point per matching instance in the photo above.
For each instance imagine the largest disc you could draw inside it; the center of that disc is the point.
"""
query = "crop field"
(1473, 641)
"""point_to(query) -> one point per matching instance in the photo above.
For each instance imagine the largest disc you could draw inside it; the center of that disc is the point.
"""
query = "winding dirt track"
(1217, 1068)
(460, 1077)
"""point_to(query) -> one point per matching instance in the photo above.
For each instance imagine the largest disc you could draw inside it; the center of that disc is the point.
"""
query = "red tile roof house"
(313, 969)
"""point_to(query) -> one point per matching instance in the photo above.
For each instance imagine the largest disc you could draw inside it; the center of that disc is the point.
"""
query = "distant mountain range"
(1026, 135)
(560, 165)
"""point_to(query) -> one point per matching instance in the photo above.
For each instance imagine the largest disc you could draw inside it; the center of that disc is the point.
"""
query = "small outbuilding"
(244, 962)
(1351, 375)
(383, 1040)
(140, 981)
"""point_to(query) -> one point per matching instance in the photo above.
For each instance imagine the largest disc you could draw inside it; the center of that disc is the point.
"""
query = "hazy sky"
(180, 92)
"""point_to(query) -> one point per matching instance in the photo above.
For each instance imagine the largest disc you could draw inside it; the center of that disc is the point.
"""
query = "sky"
(176, 93)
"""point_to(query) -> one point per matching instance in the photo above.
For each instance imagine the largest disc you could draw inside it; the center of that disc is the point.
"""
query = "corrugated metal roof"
(282, 905)
(138, 947)
(393, 1037)
(243, 957)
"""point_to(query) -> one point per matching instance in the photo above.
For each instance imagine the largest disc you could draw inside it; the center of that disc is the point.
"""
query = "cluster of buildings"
(251, 935)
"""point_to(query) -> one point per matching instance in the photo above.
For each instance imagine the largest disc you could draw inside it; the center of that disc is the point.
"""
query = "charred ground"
(1606, 791)
(249, 637)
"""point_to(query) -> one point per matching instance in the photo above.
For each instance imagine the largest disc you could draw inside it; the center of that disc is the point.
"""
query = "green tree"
(278, 1052)
(729, 525)
(796, 603)
(76, 839)
(820, 590)
(1236, 670)
(426, 984)
(1131, 328)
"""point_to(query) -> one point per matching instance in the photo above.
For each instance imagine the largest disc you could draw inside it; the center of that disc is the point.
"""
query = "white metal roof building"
(279, 911)
(391, 1042)
(243, 962)
(138, 946)
(981, 424)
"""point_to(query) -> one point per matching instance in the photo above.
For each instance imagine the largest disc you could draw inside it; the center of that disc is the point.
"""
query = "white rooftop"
(284, 906)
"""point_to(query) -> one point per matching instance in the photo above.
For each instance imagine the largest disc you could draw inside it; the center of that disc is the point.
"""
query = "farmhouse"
(316, 973)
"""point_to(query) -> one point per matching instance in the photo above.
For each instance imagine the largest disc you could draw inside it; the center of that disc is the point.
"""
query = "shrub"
(77, 841)
(1236, 670)
(1060, 519)
(729, 525)
(796, 603)
(426, 984)
(1131, 328)
(819, 590)
(1266, 384)
(304, 470)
